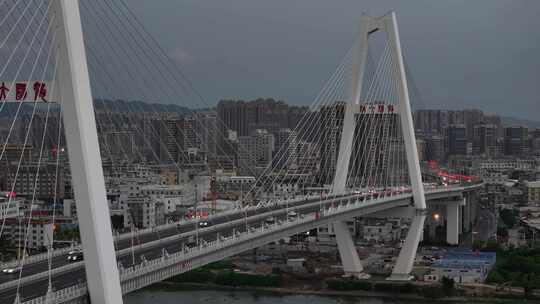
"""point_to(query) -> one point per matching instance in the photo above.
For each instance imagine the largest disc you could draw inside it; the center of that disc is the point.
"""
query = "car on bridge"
(292, 215)
(270, 220)
(11, 270)
(205, 223)
(191, 242)
(75, 256)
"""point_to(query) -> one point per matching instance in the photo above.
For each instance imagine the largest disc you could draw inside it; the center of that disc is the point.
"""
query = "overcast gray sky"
(462, 54)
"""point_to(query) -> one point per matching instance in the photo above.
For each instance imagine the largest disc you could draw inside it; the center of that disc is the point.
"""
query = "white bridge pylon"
(387, 25)
(73, 84)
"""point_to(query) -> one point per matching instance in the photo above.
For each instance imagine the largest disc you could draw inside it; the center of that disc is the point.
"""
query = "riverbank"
(277, 291)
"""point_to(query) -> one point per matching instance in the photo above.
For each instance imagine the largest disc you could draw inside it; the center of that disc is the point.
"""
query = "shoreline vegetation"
(223, 276)
(283, 291)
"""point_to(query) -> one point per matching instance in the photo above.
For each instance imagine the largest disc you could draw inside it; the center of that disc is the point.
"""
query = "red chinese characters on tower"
(40, 91)
(20, 91)
(377, 109)
(3, 91)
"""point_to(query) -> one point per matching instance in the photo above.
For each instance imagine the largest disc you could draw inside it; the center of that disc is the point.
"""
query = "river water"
(242, 297)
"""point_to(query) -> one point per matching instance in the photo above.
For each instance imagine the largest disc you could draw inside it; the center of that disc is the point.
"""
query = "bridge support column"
(349, 255)
(73, 84)
(404, 264)
(407, 254)
(452, 223)
(347, 251)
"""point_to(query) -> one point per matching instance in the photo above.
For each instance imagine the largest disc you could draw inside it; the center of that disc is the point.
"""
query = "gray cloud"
(481, 53)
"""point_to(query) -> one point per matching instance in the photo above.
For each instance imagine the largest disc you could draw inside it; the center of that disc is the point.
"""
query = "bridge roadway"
(125, 241)
(174, 237)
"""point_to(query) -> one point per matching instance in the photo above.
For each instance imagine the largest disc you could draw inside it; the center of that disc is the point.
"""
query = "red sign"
(377, 108)
(21, 91)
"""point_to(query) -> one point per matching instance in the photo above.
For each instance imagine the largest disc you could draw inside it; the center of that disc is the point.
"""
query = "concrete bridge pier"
(404, 264)
(452, 222)
(347, 251)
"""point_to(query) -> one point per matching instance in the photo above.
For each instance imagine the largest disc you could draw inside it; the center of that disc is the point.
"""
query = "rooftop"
(535, 184)
(465, 259)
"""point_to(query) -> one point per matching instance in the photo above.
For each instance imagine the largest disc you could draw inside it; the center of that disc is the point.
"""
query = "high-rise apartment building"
(330, 126)
(456, 140)
(485, 140)
(243, 117)
(516, 141)
(255, 150)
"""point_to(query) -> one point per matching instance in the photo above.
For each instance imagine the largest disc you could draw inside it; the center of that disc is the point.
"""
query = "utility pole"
(132, 244)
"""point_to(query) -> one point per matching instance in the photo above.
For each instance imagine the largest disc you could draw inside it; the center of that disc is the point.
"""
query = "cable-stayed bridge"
(352, 153)
(161, 256)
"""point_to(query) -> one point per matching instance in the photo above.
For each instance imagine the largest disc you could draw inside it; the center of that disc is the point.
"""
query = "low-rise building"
(533, 192)
(463, 266)
(38, 235)
(380, 232)
(10, 208)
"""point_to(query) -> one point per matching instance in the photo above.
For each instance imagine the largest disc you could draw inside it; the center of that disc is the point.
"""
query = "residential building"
(516, 141)
(456, 140)
(533, 192)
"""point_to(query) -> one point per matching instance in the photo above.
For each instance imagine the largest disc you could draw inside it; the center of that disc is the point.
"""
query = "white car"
(204, 224)
(11, 270)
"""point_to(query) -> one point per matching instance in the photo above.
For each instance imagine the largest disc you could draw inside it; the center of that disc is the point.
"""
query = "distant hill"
(512, 121)
(140, 106)
(9, 109)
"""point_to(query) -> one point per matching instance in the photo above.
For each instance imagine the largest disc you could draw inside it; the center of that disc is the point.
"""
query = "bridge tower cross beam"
(73, 85)
(350, 260)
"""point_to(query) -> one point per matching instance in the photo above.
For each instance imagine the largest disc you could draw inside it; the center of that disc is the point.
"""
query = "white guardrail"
(76, 294)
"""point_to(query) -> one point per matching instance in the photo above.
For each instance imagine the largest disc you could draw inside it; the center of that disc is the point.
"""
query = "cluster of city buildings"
(505, 157)
(451, 136)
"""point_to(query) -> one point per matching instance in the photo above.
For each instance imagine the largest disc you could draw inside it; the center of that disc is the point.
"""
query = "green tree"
(448, 286)
(491, 245)
(509, 217)
(495, 277)
(502, 232)
(478, 244)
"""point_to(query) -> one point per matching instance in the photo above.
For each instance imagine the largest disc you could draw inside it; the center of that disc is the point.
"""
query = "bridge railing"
(182, 256)
(185, 257)
(75, 294)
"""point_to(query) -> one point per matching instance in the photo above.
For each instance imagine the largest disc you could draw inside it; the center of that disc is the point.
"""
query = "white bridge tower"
(73, 85)
(349, 256)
